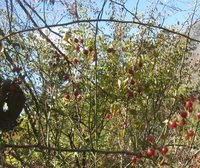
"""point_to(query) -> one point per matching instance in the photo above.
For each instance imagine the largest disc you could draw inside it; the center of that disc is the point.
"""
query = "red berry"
(192, 98)
(190, 109)
(55, 65)
(139, 156)
(75, 61)
(130, 71)
(90, 49)
(188, 104)
(76, 40)
(66, 77)
(6, 136)
(150, 138)
(177, 108)
(194, 156)
(183, 114)
(150, 152)
(119, 111)
(198, 115)
(85, 52)
(182, 122)
(164, 150)
(199, 97)
(133, 159)
(107, 115)
(93, 59)
(139, 90)
(81, 41)
(173, 124)
(182, 98)
(140, 64)
(79, 97)
(190, 133)
(76, 93)
(77, 48)
(132, 82)
(124, 123)
(130, 94)
(67, 96)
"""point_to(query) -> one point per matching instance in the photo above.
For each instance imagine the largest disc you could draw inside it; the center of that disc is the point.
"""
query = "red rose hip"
(173, 124)
(150, 138)
(183, 114)
(164, 150)
(188, 104)
(190, 133)
(150, 152)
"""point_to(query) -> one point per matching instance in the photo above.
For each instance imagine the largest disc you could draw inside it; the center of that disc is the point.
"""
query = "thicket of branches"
(102, 82)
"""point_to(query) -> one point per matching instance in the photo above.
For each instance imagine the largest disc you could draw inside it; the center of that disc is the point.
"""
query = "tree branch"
(103, 20)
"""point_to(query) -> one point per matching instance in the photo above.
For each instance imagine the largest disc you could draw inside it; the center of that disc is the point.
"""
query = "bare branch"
(102, 20)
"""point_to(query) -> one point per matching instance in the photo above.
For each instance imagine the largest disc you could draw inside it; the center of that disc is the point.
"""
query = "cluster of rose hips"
(130, 92)
(56, 62)
(79, 44)
(173, 124)
(10, 135)
(76, 94)
(150, 151)
(8, 152)
(123, 123)
(184, 115)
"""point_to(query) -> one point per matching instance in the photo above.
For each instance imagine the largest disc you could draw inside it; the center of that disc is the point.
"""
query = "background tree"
(105, 85)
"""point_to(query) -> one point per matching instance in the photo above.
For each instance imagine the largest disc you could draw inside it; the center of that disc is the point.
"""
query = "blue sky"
(176, 9)
(172, 10)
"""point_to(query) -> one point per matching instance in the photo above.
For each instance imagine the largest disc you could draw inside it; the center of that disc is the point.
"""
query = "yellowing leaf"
(67, 36)
(131, 45)
(129, 65)
(136, 126)
(136, 76)
(113, 108)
